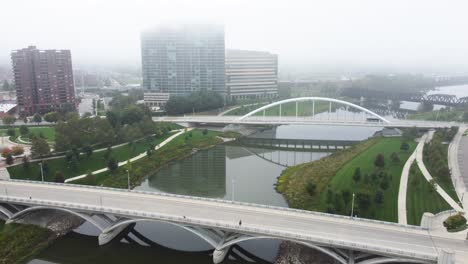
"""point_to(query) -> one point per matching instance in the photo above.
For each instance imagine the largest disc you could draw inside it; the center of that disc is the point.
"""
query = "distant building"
(156, 99)
(43, 80)
(180, 59)
(251, 74)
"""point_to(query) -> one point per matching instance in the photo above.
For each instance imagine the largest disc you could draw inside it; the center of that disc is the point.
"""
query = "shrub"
(59, 178)
(6, 151)
(17, 150)
(378, 198)
(24, 130)
(11, 132)
(455, 222)
(379, 161)
(404, 146)
(395, 158)
(26, 162)
(112, 164)
(311, 187)
(357, 174)
(9, 159)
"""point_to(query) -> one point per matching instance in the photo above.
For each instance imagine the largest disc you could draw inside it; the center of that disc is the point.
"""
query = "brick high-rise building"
(43, 80)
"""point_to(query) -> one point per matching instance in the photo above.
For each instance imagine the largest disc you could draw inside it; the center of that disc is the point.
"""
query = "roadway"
(292, 120)
(370, 236)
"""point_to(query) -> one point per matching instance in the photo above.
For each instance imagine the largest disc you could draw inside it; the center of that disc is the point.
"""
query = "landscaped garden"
(371, 170)
(48, 133)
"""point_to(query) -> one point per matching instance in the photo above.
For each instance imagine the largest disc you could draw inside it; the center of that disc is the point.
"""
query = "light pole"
(42, 171)
(352, 206)
(128, 179)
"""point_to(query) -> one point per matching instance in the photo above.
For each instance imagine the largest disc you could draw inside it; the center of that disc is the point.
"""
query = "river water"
(232, 172)
(457, 90)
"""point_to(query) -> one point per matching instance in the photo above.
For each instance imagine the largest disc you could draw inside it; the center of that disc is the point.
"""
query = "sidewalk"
(142, 155)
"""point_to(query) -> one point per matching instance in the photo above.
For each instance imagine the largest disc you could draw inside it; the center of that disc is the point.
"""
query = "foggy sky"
(394, 33)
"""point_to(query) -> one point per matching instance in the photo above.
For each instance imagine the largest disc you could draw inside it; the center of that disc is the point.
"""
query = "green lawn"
(47, 132)
(94, 162)
(438, 115)
(178, 148)
(19, 243)
(420, 198)
(343, 179)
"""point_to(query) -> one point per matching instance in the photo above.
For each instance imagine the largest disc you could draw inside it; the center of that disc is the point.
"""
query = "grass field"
(438, 115)
(94, 162)
(178, 148)
(19, 243)
(47, 132)
(444, 182)
(420, 198)
(369, 184)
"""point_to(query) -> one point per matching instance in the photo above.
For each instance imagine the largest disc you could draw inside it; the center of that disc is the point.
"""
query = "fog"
(326, 33)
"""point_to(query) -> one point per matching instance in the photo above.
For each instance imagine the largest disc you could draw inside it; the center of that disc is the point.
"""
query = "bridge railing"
(225, 226)
(285, 209)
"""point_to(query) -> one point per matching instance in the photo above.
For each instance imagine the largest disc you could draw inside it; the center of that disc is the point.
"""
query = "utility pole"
(128, 179)
(42, 171)
(352, 207)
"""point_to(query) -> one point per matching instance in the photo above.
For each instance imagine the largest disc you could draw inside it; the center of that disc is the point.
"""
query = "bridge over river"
(259, 117)
(223, 224)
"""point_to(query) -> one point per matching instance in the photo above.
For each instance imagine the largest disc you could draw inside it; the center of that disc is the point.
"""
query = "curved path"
(142, 155)
(455, 149)
(427, 175)
(402, 211)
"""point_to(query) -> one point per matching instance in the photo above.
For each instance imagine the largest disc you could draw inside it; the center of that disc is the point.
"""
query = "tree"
(112, 164)
(379, 161)
(8, 120)
(37, 118)
(357, 174)
(205, 132)
(404, 146)
(6, 151)
(59, 177)
(149, 152)
(378, 198)
(88, 150)
(395, 158)
(363, 200)
(311, 187)
(51, 117)
(26, 164)
(433, 185)
(25, 120)
(74, 163)
(39, 147)
(24, 130)
(11, 132)
(9, 159)
(346, 194)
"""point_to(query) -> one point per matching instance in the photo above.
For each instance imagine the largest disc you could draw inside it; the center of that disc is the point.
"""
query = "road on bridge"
(319, 228)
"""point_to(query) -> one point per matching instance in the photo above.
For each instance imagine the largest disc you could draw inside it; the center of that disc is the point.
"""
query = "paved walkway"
(402, 211)
(142, 155)
(427, 175)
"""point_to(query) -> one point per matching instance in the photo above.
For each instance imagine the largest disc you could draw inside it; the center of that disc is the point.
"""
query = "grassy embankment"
(333, 176)
(421, 198)
(96, 161)
(20, 243)
(179, 148)
(438, 115)
(287, 109)
(436, 160)
(47, 132)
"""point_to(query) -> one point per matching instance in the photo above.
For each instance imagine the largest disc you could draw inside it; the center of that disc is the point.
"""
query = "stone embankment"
(293, 253)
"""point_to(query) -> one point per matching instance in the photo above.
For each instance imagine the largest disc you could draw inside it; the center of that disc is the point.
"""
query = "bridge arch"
(324, 99)
(326, 251)
(24, 212)
(212, 241)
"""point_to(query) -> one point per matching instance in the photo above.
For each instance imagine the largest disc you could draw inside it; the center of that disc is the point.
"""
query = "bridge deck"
(319, 228)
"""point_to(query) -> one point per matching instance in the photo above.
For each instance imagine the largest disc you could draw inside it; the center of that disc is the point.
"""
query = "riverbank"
(179, 148)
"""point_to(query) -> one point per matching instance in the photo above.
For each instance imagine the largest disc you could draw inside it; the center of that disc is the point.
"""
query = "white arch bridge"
(217, 222)
(317, 116)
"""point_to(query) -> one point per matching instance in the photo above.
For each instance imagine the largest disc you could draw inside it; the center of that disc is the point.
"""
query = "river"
(240, 173)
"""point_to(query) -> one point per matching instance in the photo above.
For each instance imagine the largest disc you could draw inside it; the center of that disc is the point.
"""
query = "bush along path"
(142, 155)
(427, 175)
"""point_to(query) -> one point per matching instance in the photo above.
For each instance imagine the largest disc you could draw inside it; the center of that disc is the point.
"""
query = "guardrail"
(230, 227)
(292, 210)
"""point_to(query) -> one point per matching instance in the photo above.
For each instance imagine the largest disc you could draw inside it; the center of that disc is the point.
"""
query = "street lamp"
(352, 206)
(42, 171)
(128, 179)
